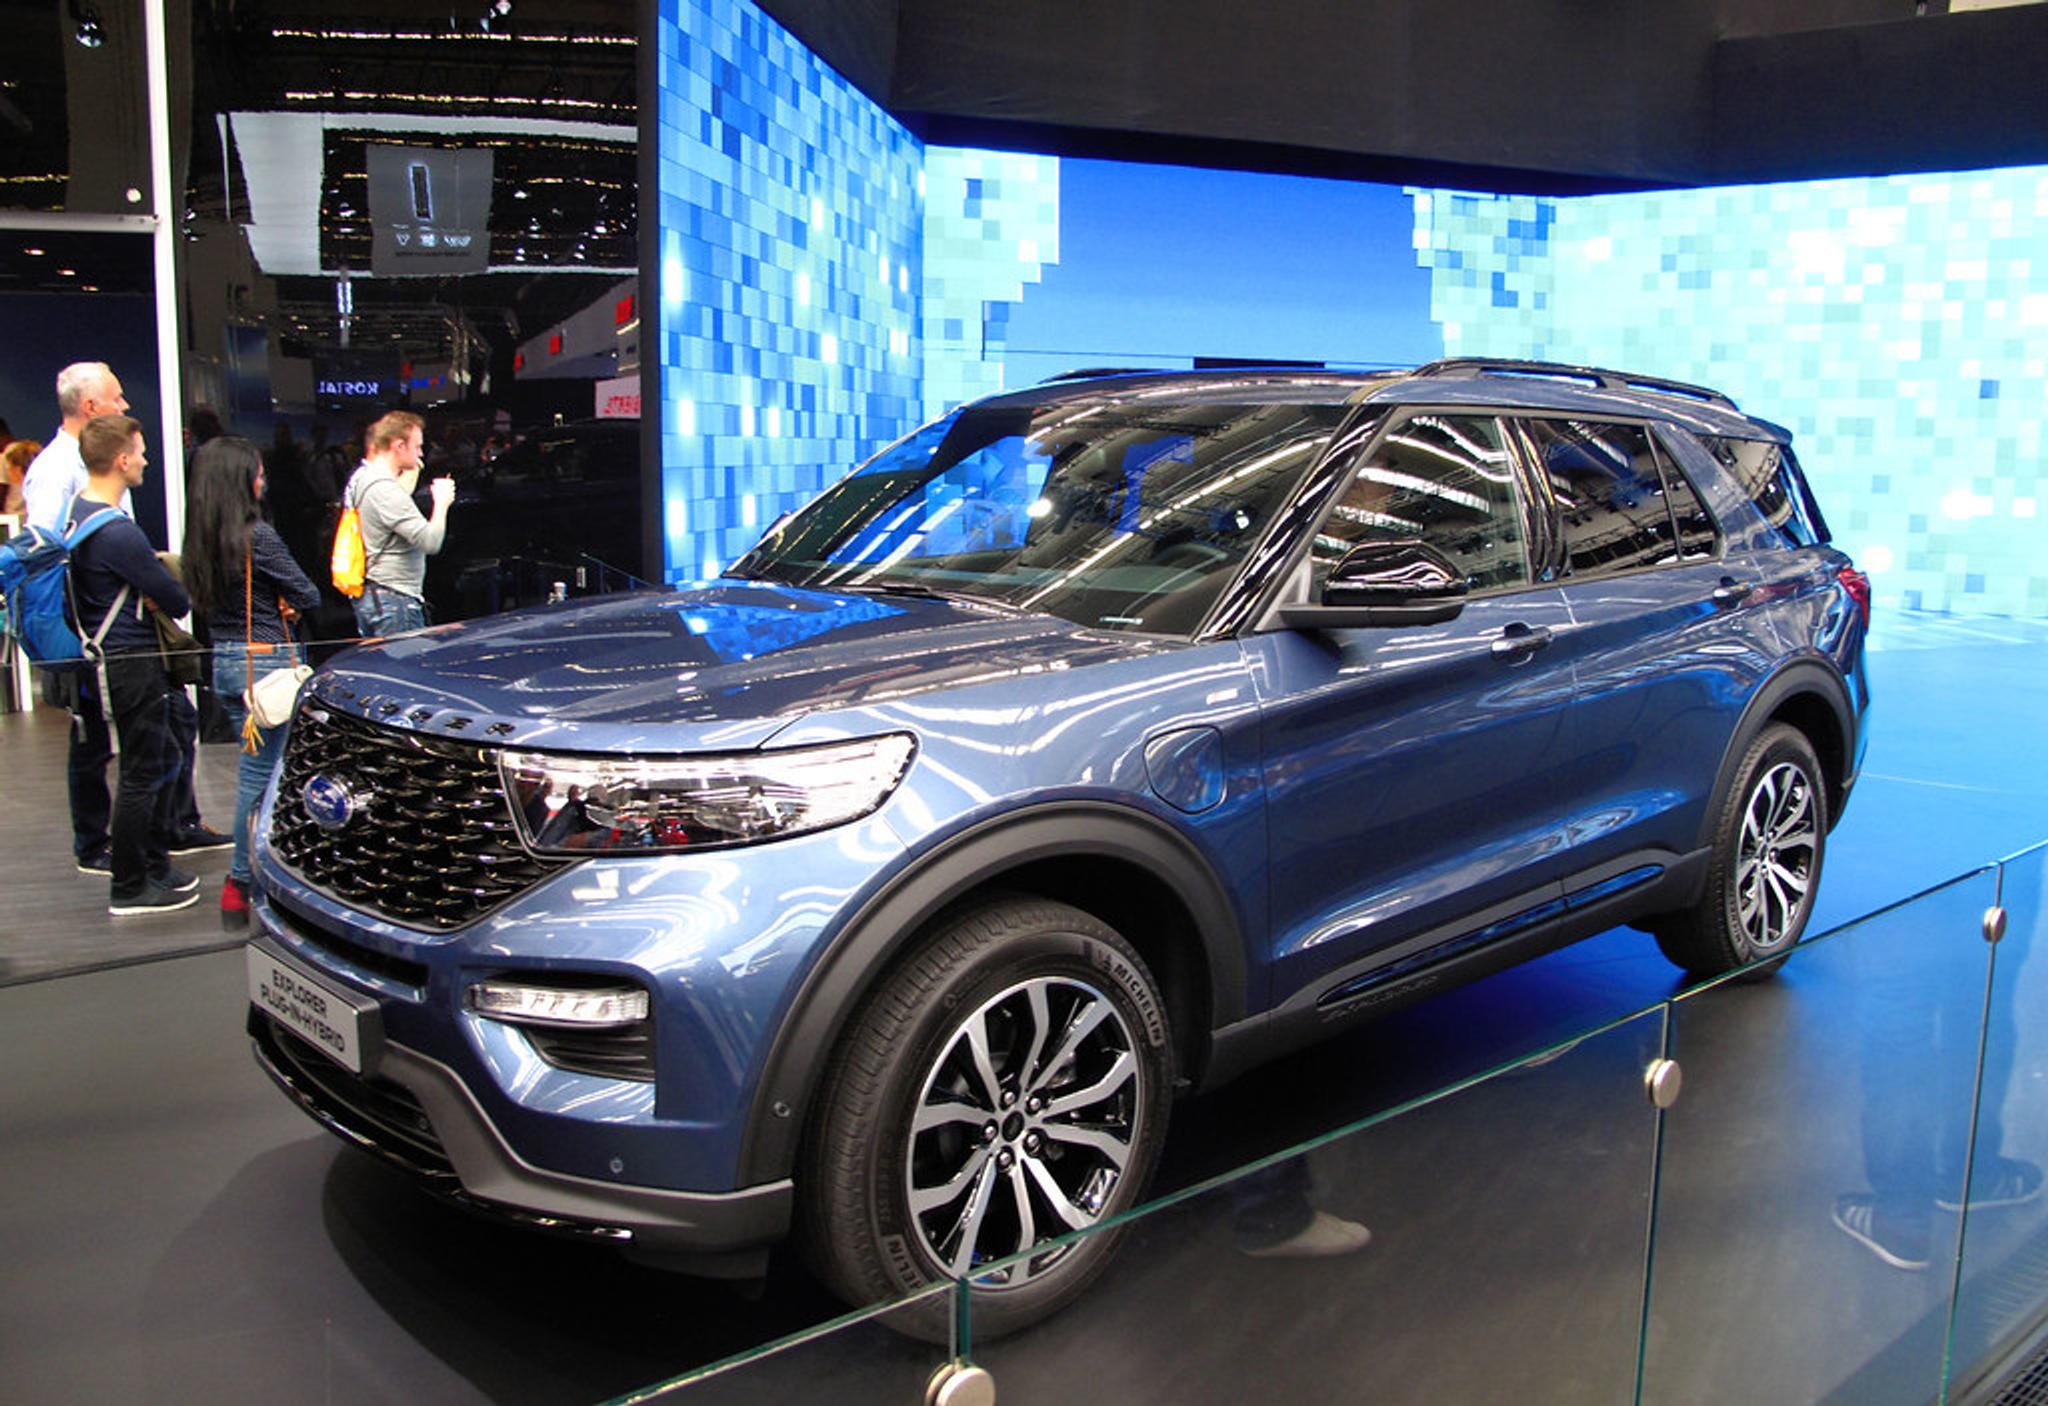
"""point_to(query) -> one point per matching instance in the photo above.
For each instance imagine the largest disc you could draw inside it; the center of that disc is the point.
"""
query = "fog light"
(583, 1008)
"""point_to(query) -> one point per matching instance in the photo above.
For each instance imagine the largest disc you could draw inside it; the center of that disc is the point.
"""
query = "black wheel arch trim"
(1807, 675)
(887, 922)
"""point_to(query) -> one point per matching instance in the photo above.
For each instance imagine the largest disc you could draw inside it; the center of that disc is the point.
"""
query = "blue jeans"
(383, 611)
(230, 679)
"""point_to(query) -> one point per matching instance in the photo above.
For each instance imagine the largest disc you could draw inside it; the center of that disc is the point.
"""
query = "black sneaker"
(176, 880)
(2000, 1181)
(197, 839)
(153, 899)
(1898, 1244)
(101, 864)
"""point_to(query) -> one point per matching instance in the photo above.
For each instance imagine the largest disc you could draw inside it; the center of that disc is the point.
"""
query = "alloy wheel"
(1774, 865)
(1025, 1126)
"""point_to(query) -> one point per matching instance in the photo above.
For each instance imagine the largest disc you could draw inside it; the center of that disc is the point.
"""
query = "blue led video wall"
(1898, 326)
(790, 236)
(828, 283)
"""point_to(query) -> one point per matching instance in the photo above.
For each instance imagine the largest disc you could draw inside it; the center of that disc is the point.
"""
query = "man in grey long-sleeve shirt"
(397, 540)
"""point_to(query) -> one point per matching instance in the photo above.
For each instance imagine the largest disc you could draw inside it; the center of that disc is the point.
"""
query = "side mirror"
(1384, 583)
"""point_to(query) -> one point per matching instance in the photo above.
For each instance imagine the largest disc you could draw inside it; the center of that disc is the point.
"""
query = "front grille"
(377, 1113)
(303, 926)
(431, 842)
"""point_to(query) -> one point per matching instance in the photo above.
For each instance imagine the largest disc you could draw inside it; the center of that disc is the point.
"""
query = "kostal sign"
(430, 210)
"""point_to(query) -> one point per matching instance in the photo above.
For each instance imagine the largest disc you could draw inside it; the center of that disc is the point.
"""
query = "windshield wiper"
(919, 590)
(915, 589)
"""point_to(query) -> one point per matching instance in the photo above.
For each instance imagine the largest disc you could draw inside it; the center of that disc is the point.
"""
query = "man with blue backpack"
(87, 389)
(116, 579)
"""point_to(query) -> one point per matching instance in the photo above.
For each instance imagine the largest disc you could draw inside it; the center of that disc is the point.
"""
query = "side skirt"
(1620, 891)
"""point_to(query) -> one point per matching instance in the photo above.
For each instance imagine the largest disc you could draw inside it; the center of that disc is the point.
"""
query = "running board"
(1616, 894)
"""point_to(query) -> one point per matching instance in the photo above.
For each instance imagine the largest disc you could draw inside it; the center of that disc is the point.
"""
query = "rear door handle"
(1732, 591)
(1519, 641)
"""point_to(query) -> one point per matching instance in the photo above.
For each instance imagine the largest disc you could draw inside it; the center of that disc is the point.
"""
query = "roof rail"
(1088, 373)
(1604, 379)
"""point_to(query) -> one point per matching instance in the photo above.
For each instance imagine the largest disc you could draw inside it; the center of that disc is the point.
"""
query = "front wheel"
(1007, 1084)
(1768, 848)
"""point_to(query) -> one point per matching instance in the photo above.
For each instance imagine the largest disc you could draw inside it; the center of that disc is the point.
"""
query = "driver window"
(1440, 479)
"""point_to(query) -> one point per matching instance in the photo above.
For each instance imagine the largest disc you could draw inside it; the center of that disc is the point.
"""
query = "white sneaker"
(1321, 1238)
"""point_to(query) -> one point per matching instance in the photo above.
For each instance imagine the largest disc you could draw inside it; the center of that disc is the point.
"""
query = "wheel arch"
(1811, 697)
(1124, 867)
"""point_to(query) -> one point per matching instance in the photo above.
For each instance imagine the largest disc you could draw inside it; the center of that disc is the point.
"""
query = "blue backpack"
(35, 579)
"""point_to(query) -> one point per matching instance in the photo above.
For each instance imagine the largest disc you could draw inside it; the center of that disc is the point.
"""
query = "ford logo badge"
(328, 802)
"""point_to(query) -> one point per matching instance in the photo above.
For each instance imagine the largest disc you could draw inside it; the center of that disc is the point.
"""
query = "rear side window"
(1771, 477)
(1621, 503)
(1440, 479)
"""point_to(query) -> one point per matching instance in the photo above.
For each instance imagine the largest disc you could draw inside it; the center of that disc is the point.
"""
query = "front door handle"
(1519, 641)
(1732, 591)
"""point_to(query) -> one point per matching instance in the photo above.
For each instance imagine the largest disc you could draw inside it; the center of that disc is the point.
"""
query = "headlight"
(585, 805)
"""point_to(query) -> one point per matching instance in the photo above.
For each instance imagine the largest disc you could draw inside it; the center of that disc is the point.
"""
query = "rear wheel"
(1768, 847)
(1007, 1084)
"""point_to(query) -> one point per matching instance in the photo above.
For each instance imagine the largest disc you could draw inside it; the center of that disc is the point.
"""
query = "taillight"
(1858, 587)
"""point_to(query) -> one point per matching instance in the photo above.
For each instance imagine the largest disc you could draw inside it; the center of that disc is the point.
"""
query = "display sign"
(343, 389)
(619, 398)
(326, 1018)
(430, 210)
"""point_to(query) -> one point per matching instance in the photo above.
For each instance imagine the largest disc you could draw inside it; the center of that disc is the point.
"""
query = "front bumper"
(414, 1113)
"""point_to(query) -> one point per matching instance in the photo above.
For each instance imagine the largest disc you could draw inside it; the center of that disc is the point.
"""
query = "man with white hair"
(57, 477)
(86, 389)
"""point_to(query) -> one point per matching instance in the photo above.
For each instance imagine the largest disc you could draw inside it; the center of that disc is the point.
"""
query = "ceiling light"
(67, 273)
(88, 31)
(33, 253)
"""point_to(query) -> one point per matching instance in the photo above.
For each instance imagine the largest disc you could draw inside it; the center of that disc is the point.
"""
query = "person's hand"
(443, 490)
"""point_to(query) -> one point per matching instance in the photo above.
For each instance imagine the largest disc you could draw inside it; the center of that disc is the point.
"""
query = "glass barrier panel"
(1800, 1252)
(1484, 1245)
(879, 1356)
(2002, 1285)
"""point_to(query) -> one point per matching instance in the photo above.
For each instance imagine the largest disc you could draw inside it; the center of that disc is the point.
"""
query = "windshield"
(1116, 515)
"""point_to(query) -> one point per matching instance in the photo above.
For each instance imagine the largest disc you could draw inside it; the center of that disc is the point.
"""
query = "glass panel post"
(1806, 1235)
(1483, 1245)
(2001, 1287)
(884, 1355)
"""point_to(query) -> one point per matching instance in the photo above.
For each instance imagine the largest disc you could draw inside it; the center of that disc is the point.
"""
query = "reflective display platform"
(172, 1230)
(1793, 1227)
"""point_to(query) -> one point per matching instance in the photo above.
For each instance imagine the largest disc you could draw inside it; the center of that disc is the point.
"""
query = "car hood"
(722, 666)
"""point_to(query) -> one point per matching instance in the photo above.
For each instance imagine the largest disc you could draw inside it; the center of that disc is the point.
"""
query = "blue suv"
(1084, 747)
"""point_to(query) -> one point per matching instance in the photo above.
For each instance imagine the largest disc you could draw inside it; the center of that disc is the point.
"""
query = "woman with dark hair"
(247, 588)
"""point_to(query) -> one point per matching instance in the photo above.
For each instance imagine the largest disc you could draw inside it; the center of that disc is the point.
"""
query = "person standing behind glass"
(55, 478)
(114, 578)
(14, 462)
(247, 588)
(397, 540)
